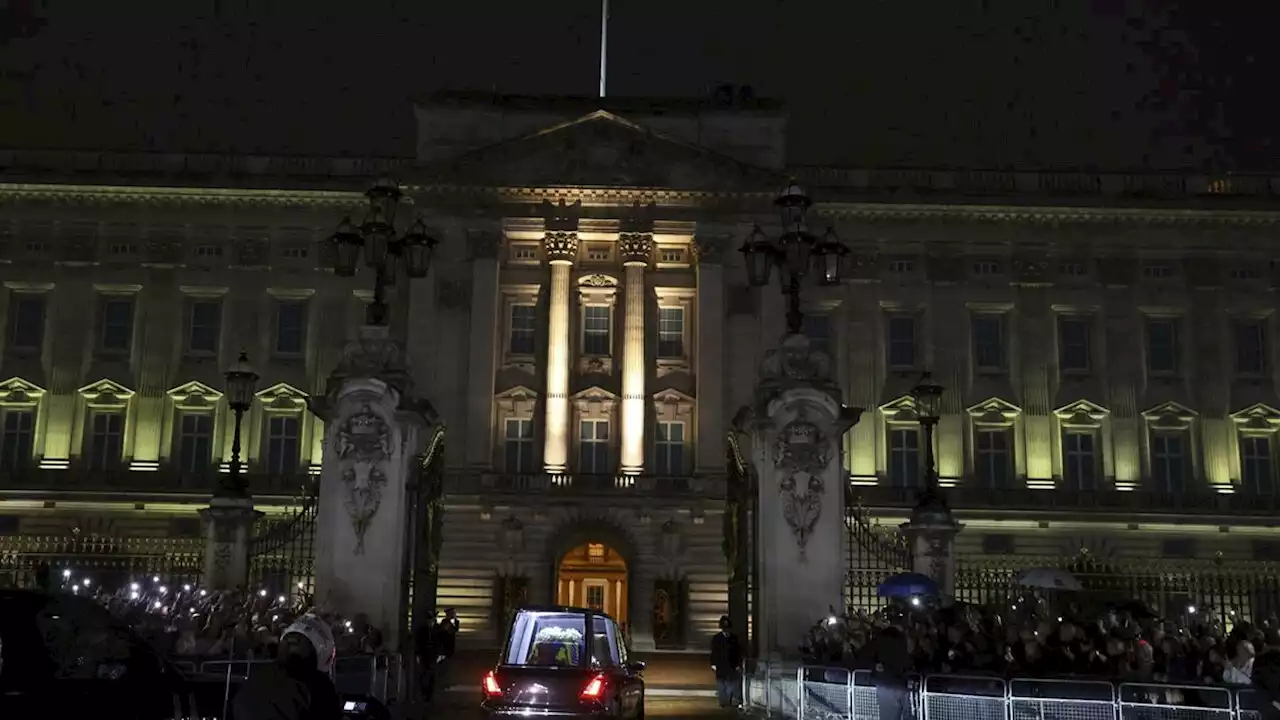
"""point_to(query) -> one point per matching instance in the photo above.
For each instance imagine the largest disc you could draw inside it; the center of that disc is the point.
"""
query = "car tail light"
(491, 687)
(594, 689)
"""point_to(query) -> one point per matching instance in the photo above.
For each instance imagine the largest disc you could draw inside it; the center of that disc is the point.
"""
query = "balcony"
(611, 487)
(1117, 502)
(49, 484)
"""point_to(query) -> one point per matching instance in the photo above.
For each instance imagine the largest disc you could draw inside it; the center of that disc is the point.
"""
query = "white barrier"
(828, 693)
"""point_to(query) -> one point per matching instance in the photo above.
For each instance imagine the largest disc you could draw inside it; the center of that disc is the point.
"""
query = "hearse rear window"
(560, 639)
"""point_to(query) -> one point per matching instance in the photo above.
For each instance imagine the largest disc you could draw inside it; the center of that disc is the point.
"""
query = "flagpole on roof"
(604, 43)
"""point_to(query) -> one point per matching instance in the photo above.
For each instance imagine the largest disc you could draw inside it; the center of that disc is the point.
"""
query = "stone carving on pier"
(802, 453)
(363, 446)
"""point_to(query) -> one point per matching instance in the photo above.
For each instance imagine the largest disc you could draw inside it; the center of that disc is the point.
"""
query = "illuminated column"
(635, 249)
(562, 250)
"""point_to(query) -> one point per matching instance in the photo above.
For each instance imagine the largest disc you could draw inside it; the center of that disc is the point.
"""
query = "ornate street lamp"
(242, 381)
(794, 252)
(384, 250)
(928, 400)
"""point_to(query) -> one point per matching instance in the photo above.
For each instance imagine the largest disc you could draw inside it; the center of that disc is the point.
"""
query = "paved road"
(698, 707)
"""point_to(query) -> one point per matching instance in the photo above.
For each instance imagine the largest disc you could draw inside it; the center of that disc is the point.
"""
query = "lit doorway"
(593, 575)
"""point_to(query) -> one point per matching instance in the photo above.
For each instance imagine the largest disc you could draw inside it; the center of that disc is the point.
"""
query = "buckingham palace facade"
(1107, 343)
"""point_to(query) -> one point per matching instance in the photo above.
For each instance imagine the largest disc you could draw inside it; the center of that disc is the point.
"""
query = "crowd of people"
(1030, 638)
(183, 619)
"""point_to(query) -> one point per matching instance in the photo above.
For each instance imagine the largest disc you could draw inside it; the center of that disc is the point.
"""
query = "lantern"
(417, 248)
(829, 257)
(242, 381)
(346, 244)
(760, 255)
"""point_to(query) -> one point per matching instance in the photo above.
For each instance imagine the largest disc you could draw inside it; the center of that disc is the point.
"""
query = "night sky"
(1111, 84)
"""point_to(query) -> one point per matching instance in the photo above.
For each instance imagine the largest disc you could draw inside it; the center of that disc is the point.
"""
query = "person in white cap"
(297, 685)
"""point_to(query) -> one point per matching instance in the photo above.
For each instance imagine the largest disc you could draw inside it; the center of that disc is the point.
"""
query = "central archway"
(594, 575)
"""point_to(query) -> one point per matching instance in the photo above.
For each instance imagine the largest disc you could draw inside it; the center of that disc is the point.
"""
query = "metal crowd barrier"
(379, 676)
(809, 692)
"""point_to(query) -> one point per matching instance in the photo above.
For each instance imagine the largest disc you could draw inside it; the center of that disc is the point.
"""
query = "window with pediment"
(672, 433)
(19, 411)
(282, 429)
(993, 425)
(106, 405)
(1170, 451)
(522, 318)
(904, 443)
(195, 411)
(1080, 438)
(674, 329)
(517, 444)
(1256, 428)
(595, 410)
(597, 298)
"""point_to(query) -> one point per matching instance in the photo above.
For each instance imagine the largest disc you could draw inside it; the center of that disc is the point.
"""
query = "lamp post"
(794, 252)
(242, 381)
(928, 400)
(384, 249)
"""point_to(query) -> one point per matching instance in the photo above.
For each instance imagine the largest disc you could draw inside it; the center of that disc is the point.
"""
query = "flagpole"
(604, 42)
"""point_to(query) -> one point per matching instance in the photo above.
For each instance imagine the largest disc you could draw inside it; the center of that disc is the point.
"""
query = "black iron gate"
(874, 553)
(282, 554)
(426, 524)
(739, 499)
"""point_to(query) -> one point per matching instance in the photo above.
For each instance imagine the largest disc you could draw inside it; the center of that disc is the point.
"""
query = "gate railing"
(282, 556)
(380, 676)
(808, 692)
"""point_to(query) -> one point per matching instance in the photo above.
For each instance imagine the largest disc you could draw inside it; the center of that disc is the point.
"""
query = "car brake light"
(491, 687)
(594, 689)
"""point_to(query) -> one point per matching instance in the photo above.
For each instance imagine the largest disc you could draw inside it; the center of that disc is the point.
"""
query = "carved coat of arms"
(802, 453)
(362, 443)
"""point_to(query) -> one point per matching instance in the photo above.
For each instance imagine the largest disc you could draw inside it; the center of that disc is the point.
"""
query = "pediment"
(994, 411)
(602, 150)
(1170, 415)
(517, 401)
(282, 396)
(195, 395)
(519, 392)
(671, 396)
(16, 391)
(106, 393)
(1258, 416)
(595, 399)
(901, 409)
(1081, 413)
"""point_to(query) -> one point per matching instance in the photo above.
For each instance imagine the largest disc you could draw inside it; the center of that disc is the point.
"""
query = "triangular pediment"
(1081, 413)
(1170, 415)
(900, 409)
(16, 391)
(602, 150)
(671, 396)
(994, 411)
(519, 392)
(195, 395)
(282, 396)
(106, 393)
(1258, 416)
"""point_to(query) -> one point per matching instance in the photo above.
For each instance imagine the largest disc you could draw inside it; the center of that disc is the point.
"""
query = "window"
(818, 329)
(26, 322)
(1255, 464)
(988, 342)
(1071, 269)
(106, 440)
(524, 324)
(595, 330)
(1169, 462)
(902, 266)
(517, 445)
(282, 445)
(1073, 344)
(1250, 344)
(595, 594)
(1162, 346)
(195, 442)
(291, 327)
(904, 457)
(116, 331)
(669, 448)
(900, 341)
(1080, 460)
(1157, 270)
(593, 447)
(670, 332)
(986, 267)
(203, 324)
(993, 459)
(18, 441)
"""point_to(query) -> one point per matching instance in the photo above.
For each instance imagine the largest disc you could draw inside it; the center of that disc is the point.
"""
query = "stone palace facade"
(1107, 343)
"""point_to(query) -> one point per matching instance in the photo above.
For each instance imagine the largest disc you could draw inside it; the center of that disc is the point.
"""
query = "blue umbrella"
(907, 585)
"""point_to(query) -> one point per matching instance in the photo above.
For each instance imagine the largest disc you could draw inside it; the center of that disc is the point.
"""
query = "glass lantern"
(417, 248)
(928, 397)
(793, 206)
(829, 258)
(377, 237)
(242, 382)
(346, 244)
(384, 197)
(759, 253)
